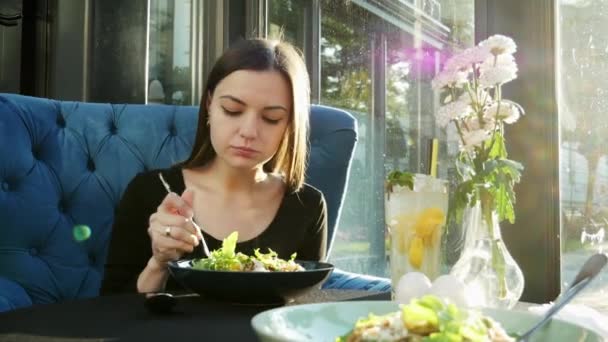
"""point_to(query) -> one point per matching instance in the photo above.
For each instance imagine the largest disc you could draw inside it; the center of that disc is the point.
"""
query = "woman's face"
(249, 112)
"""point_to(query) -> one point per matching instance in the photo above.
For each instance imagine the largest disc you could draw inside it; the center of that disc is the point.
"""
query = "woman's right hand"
(171, 230)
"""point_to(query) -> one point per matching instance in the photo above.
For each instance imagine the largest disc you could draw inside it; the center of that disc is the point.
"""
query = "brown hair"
(261, 55)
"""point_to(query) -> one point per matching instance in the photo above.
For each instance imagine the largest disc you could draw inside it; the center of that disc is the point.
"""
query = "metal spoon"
(590, 269)
(162, 302)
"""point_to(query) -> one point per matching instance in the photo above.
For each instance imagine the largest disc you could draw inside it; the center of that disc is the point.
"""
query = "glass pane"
(583, 102)
(367, 57)
(169, 62)
(352, 42)
(287, 20)
(346, 82)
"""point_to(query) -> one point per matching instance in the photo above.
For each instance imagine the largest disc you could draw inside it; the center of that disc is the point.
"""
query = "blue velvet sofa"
(64, 164)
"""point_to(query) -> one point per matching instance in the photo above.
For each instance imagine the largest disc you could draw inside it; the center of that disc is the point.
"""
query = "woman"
(245, 174)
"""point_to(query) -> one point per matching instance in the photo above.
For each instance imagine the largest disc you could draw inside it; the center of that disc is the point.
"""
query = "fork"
(588, 271)
(203, 243)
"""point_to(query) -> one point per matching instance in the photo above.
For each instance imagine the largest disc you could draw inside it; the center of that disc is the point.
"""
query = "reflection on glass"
(409, 102)
(459, 16)
(432, 8)
(346, 61)
(583, 102)
(286, 20)
(169, 63)
(357, 48)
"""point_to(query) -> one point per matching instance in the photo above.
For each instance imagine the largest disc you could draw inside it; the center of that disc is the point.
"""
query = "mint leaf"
(399, 178)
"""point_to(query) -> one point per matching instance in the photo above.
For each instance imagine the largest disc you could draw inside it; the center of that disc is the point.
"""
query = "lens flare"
(81, 232)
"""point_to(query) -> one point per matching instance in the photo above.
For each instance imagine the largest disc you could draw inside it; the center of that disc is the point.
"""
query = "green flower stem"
(460, 133)
(498, 127)
(498, 261)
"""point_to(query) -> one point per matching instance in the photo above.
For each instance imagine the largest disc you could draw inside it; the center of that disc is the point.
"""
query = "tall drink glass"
(416, 220)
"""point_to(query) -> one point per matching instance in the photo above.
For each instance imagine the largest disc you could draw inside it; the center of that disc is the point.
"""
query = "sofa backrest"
(65, 164)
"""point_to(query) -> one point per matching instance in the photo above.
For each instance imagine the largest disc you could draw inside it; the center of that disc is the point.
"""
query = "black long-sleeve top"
(300, 226)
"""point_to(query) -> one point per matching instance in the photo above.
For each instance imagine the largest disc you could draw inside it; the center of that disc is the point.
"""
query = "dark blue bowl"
(251, 287)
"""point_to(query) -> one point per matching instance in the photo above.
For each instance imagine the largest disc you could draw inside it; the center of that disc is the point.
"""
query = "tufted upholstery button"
(33, 251)
(60, 121)
(5, 186)
(90, 165)
(113, 128)
(61, 207)
(172, 131)
(36, 153)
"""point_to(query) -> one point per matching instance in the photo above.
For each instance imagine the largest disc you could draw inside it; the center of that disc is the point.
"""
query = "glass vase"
(491, 276)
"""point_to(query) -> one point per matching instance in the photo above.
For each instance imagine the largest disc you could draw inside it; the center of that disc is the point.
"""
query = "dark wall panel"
(67, 56)
(10, 45)
(118, 51)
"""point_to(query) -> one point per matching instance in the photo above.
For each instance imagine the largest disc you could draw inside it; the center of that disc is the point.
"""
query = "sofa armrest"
(353, 281)
(12, 295)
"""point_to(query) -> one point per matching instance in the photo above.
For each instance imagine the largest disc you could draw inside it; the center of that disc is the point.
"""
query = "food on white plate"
(428, 318)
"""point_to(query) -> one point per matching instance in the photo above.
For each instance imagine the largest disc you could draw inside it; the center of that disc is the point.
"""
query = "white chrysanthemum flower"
(499, 44)
(472, 123)
(454, 64)
(501, 61)
(449, 78)
(464, 61)
(508, 111)
(480, 96)
(451, 111)
(497, 75)
(473, 139)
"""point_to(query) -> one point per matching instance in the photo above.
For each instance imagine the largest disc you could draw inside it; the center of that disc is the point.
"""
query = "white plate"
(326, 321)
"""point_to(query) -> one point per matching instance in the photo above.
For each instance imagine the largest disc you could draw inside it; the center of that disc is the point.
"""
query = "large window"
(583, 102)
(376, 62)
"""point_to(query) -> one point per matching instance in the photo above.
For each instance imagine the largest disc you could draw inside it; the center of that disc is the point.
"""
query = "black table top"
(124, 317)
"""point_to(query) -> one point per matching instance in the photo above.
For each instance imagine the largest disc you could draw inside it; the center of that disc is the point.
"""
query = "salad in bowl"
(227, 259)
(261, 278)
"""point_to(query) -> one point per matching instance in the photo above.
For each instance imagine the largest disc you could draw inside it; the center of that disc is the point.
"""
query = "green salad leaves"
(427, 319)
(227, 259)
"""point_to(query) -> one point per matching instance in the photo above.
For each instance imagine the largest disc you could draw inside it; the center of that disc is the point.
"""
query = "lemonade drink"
(416, 222)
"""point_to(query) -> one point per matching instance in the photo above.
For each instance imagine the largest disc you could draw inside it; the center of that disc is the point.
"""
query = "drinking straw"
(433, 159)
